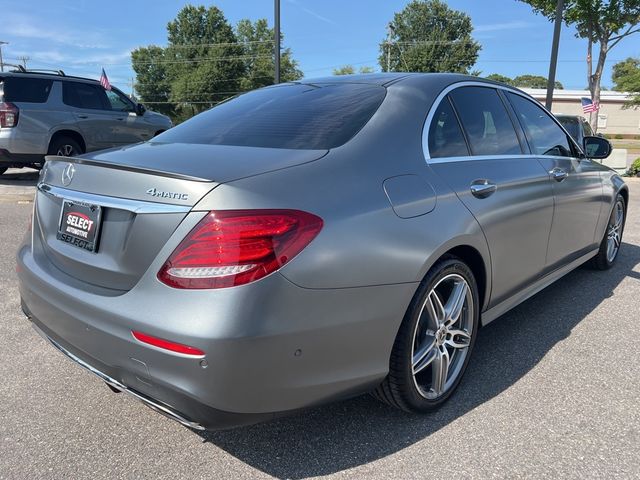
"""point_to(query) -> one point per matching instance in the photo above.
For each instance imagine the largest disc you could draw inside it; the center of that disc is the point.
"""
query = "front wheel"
(610, 245)
(435, 340)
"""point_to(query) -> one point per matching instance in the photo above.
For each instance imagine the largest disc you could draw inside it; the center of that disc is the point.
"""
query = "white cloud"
(22, 26)
(312, 13)
(496, 27)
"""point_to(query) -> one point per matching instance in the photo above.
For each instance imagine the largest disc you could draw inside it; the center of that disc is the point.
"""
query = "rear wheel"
(610, 245)
(64, 147)
(435, 340)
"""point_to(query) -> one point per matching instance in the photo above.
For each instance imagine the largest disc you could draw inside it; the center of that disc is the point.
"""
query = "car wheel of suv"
(435, 340)
(64, 147)
(610, 245)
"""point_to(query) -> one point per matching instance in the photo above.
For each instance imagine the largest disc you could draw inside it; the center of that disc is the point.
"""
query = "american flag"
(104, 81)
(589, 106)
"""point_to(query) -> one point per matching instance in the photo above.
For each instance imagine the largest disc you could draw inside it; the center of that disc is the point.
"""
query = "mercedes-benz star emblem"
(67, 174)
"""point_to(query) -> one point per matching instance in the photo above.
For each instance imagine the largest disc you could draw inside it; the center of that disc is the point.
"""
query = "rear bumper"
(8, 159)
(182, 409)
(272, 347)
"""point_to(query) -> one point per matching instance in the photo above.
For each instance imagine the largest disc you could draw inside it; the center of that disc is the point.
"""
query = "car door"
(133, 128)
(575, 181)
(101, 126)
(475, 147)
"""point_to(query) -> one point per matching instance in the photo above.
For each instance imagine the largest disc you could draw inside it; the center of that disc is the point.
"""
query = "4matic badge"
(154, 192)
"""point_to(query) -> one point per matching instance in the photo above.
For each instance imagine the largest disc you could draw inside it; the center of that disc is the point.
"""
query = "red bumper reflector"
(167, 345)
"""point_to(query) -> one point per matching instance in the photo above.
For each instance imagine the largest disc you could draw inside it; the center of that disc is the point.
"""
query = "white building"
(613, 119)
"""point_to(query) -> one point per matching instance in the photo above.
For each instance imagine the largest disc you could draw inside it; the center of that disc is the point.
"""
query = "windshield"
(572, 126)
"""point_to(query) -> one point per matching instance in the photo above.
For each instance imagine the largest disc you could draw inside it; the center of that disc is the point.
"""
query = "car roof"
(46, 75)
(385, 79)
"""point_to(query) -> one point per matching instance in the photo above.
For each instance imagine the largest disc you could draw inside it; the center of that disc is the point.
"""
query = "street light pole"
(276, 39)
(1, 62)
(554, 54)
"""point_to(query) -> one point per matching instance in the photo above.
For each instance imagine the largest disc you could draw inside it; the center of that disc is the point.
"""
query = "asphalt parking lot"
(552, 391)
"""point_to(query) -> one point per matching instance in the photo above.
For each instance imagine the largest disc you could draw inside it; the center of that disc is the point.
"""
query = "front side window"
(445, 135)
(85, 95)
(119, 102)
(485, 121)
(544, 135)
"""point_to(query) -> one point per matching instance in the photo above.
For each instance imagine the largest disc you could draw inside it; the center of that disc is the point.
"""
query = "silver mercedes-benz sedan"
(312, 241)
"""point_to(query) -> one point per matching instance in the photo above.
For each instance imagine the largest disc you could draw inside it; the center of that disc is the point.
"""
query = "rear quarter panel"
(363, 242)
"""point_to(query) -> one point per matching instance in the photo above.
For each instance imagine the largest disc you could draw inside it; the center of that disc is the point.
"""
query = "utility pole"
(1, 63)
(276, 39)
(24, 59)
(554, 54)
(389, 29)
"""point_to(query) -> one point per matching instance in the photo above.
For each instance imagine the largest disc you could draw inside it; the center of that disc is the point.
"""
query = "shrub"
(634, 169)
(618, 137)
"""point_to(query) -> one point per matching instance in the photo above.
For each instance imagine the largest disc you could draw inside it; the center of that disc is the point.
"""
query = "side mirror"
(140, 109)
(597, 147)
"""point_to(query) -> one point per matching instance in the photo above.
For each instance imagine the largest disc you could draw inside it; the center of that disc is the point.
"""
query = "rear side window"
(544, 135)
(289, 116)
(85, 95)
(445, 135)
(24, 89)
(485, 121)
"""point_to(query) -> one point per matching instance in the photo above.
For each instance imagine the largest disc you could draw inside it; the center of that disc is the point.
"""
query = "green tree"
(152, 82)
(259, 62)
(206, 62)
(626, 78)
(428, 36)
(600, 22)
(533, 81)
(344, 70)
(350, 70)
(496, 77)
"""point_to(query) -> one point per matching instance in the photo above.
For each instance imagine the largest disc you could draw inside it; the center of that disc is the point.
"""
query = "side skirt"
(503, 307)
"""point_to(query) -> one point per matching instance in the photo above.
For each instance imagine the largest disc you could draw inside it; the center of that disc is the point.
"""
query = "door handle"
(482, 188)
(558, 174)
(84, 117)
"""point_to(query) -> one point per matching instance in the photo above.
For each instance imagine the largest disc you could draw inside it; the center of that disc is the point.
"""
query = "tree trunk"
(596, 78)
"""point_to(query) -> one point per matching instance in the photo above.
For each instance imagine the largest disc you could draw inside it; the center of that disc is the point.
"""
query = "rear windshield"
(23, 89)
(315, 117)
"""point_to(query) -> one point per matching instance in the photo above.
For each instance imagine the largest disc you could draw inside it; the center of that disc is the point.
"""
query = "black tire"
(3, 169)
(400, 388)
(63, 144)
(603, 260)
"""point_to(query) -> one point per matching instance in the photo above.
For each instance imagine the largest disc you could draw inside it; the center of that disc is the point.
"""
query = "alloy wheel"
(65, 150)
(442, 336)
(614, 231)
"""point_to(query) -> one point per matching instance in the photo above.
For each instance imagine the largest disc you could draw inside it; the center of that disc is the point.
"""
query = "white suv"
(55, 114)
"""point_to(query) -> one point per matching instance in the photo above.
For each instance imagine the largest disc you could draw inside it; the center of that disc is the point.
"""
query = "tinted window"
(85, 95)
(119, 102)
(288, 116)
(21, 89)
(544, 135)
(587, 129)
(571, 125)
(485, 121)
(445, 136)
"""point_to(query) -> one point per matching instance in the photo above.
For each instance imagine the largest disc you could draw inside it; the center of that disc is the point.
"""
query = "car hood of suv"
(218, 163)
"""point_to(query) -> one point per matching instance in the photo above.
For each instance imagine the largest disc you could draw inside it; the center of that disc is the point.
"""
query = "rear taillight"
(235, 247)
(9, 114)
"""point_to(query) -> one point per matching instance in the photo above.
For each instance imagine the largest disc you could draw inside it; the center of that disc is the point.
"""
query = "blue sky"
(82, 36)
